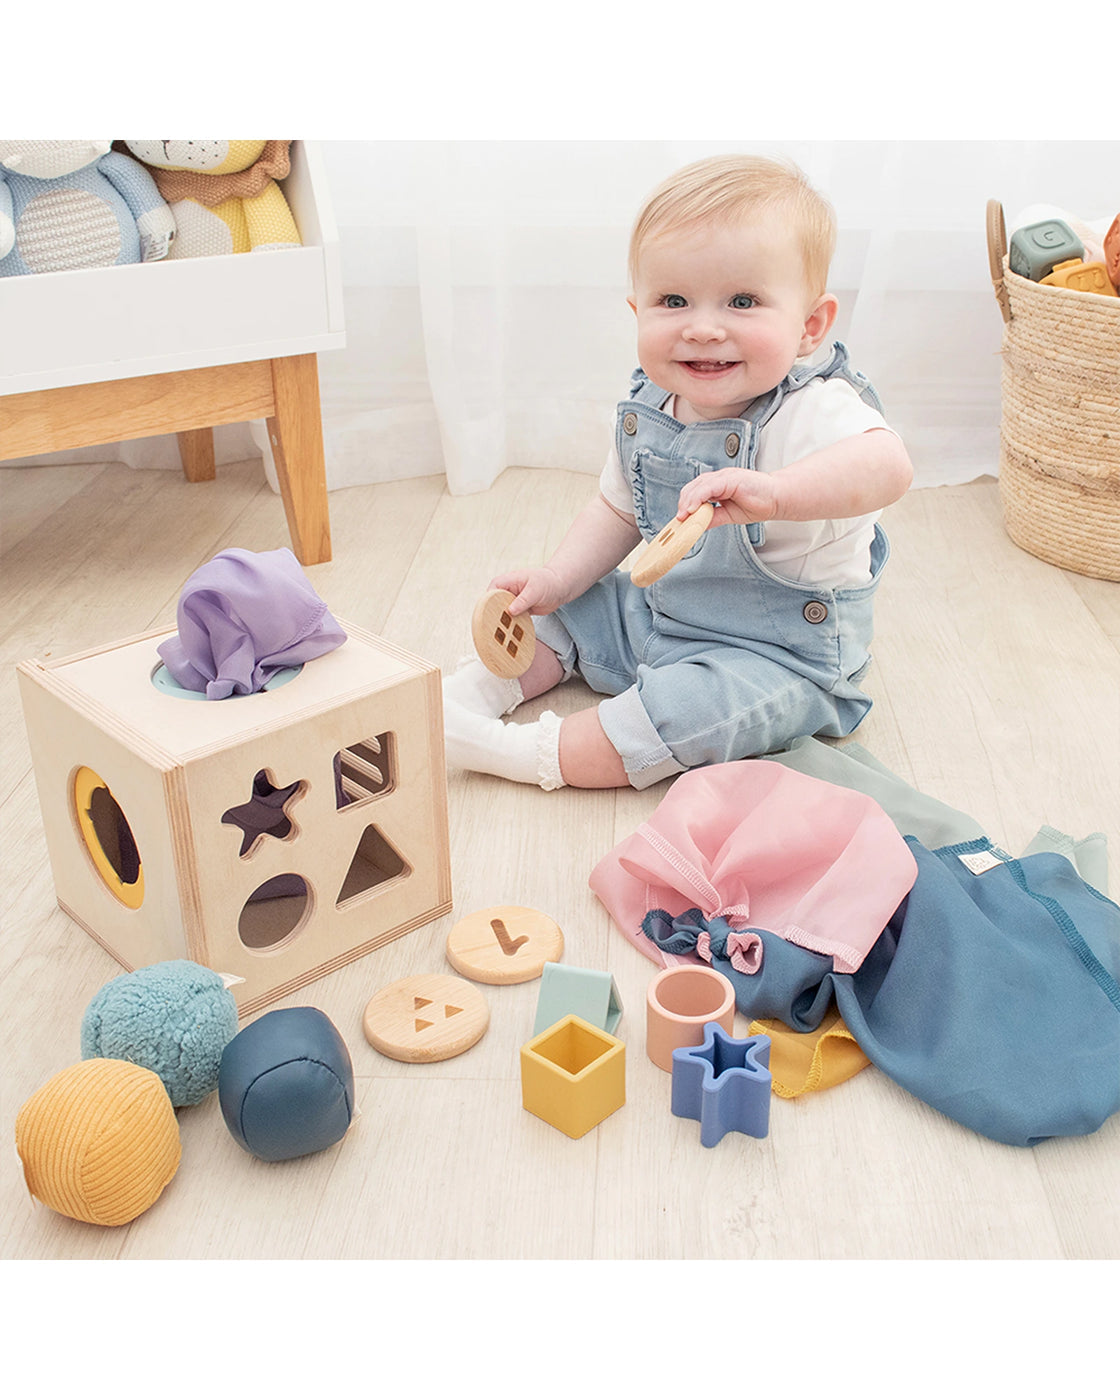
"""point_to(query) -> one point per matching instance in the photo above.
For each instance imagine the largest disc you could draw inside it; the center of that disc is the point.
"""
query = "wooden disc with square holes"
(504, 944)
(432, 1016)
(670, 546)
(505, 644)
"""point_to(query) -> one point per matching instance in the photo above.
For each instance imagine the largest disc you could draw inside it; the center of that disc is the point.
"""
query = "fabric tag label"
(979, 861)
(154, 246)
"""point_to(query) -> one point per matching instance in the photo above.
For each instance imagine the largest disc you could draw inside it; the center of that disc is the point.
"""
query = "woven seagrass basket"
(1059, 461)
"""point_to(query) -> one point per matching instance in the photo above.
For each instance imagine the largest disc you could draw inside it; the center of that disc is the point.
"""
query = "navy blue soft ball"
(286, 1084)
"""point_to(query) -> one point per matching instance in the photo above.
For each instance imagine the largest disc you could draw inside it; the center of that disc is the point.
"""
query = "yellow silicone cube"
(573, 1075)
(1081, 277)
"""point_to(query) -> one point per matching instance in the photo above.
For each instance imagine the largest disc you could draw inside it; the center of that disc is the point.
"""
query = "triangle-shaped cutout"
(452, 1010)
(375, 861)
(418, 1002)
(422, 1026)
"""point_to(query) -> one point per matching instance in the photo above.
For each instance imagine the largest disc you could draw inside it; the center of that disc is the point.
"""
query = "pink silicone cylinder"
(679, 1003)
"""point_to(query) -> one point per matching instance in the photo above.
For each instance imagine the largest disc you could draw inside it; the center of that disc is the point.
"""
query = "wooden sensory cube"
(272, 837)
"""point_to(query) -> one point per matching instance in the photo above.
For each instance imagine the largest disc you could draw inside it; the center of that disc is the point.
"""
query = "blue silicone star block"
(725, 1083)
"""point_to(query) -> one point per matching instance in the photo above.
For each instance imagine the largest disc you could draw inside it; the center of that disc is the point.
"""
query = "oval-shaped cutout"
(108, 838)
(274, 913)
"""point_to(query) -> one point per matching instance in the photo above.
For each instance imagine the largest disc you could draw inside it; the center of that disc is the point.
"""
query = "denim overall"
(721, 658)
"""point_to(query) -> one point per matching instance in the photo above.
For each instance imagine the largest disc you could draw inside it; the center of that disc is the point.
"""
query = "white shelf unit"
(110, 354)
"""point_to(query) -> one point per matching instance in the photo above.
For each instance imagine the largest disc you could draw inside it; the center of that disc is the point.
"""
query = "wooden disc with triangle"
(429, 1017)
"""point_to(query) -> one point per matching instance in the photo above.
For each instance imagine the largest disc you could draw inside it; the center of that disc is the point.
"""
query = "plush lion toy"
(223, 194)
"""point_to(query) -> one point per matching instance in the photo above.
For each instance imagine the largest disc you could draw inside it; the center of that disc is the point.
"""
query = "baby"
(761, 633)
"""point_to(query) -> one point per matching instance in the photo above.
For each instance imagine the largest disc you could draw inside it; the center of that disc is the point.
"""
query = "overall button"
(630, 424)
(731, 444)
(814, 611)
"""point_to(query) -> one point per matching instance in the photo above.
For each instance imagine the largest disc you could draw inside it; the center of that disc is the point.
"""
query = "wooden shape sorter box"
(272, 837)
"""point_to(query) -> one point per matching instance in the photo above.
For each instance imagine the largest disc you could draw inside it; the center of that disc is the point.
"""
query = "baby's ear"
(818, 323)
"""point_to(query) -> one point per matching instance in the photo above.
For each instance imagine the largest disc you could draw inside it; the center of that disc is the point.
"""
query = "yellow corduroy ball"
(99, 1141)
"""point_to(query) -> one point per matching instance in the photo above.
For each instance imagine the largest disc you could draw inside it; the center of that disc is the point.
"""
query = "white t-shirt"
(833, 553)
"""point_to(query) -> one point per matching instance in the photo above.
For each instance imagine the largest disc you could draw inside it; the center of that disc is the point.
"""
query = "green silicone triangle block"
(580, 991)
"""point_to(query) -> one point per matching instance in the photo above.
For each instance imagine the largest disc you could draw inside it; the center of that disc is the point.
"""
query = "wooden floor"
(997, 689)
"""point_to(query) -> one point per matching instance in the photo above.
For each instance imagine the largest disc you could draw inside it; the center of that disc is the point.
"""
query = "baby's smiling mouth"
(709, 366)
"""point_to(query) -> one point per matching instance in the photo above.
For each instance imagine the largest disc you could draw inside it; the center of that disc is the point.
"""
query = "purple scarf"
(244, 616)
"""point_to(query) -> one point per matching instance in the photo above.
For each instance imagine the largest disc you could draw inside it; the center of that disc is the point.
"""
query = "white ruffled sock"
(475, 688)
(523, 753)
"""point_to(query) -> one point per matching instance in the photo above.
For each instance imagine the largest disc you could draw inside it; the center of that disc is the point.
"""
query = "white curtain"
(485, 284)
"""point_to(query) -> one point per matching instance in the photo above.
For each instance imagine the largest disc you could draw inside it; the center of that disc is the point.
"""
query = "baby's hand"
(740, 497)
(537, 591)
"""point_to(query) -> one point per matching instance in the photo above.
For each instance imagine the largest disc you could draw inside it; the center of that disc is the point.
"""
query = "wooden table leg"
(296, 434)
(196, 448)
(191, 403)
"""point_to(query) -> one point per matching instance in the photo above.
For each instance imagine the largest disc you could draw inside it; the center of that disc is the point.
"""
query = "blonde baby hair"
(725, 188)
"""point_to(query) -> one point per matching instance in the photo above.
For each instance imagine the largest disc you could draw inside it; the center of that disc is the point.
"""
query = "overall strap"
(762, 411)
(644, 390)
(839, 365)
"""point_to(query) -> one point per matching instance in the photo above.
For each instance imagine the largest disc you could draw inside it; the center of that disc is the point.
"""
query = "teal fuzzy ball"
(174, 1018)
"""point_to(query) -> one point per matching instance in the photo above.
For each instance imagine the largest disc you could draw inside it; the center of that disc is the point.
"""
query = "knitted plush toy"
(76, 204)
(223, 194)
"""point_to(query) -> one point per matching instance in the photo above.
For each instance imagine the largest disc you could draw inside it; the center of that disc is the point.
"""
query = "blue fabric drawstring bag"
(991, 995)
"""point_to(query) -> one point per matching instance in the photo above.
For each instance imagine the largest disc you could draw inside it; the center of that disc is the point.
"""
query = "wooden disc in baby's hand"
(670, 546)
(505, 644)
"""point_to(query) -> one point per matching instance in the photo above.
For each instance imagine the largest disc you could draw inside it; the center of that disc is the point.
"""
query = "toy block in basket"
(1059, 464)
(272, 836)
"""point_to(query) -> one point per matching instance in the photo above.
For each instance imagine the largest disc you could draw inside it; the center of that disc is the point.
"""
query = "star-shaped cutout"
(266, 812)
(724, 1083)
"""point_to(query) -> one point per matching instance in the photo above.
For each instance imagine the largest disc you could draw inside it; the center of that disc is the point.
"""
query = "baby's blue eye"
(673, 300)
(742, 302)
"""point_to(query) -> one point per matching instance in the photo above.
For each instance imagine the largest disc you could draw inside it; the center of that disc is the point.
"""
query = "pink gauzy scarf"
(760, 845)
